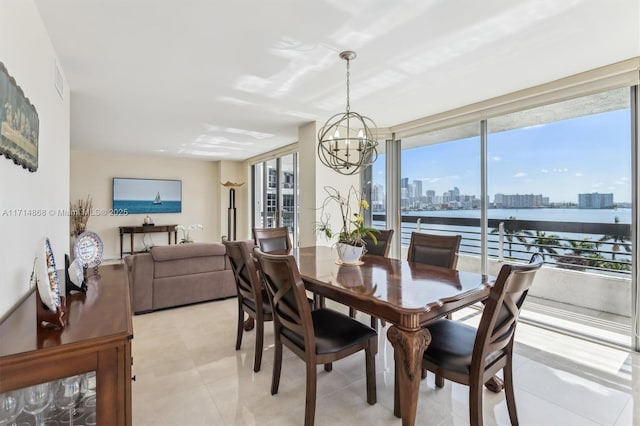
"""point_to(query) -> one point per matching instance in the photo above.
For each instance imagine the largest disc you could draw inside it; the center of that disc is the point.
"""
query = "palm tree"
(581, 254)
(545, 243)
(578, 248)
(511, 233)
(617, 241)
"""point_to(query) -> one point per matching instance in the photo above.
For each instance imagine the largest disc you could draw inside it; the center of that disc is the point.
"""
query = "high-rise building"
(595, 201)
(431, 197)
(417, 185)
(455, 194)
(377, 198)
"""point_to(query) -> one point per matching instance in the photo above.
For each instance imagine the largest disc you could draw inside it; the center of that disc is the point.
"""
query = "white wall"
(314, 176)
(27, 53)
(92, 174)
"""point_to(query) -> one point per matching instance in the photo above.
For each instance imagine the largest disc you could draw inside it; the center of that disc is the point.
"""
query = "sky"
(559, 160)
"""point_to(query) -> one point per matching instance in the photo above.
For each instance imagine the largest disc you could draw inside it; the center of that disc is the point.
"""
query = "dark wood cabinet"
(97, 337)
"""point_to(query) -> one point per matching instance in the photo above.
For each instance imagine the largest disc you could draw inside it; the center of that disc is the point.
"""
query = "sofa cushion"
(184, 251)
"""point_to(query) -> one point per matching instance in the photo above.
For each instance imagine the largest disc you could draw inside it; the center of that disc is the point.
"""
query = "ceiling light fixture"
(347, 141)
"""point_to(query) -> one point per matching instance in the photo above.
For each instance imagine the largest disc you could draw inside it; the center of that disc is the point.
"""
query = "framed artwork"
(19, 124)
(147, 195)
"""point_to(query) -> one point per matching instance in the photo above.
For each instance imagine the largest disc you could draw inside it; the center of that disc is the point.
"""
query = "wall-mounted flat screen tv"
(147, 195)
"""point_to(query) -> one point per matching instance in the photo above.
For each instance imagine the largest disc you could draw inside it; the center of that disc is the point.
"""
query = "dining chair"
(470, 356)
(252, 298)
(436, 250)
(273, 240)
(379, 248)
(321, 336)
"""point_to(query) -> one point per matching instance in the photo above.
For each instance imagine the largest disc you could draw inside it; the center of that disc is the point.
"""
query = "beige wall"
(203, 198)
(29, 202)
(314, 176)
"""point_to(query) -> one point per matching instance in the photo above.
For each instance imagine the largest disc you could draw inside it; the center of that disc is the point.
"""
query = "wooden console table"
(132, 230)
(97, 337)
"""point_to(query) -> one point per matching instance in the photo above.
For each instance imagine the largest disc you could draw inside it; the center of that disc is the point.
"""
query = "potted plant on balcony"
(350, 245)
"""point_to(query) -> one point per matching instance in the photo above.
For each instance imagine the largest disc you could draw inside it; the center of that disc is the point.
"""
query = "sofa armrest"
(140, 268)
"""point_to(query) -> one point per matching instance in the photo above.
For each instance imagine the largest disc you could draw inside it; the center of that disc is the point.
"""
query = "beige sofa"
(181, 274)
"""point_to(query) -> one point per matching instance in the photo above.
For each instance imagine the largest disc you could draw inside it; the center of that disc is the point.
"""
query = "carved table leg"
(409, 346)
(495, 384)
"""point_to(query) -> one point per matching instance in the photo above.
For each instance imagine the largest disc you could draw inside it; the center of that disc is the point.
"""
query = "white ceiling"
(223, 80)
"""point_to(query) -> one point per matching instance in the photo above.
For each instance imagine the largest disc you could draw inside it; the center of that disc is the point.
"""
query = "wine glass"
(36, 399)
(66, 395)
(10, 406)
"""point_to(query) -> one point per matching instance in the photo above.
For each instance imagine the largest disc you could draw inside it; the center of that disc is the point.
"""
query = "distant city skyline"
(558, 160)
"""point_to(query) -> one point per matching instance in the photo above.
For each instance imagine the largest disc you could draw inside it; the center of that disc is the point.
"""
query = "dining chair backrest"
(381, 247)
(291, 309)
(273, 240)
(472, 357)
(252, 299)
(321, 336)
(436, 250)
(502, 309)
(244, 271)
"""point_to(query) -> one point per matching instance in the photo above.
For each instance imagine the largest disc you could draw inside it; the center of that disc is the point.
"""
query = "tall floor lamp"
(231, 211)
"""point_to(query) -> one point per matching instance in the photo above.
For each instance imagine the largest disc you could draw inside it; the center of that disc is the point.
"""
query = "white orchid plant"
(353, 229)
(186, 232)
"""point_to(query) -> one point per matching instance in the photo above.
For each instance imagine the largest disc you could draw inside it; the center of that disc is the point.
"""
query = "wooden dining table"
(407, 295)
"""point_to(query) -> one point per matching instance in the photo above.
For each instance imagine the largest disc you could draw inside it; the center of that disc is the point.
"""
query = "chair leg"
(328, 367)
(310, 403)
(475, 403)
(396, 392)
(424, 374)
(240, 325)
(352, 312)
(370, 362)
(439, 381)
(277, 364)
(374, 323)
(509, 393)
(257, 361)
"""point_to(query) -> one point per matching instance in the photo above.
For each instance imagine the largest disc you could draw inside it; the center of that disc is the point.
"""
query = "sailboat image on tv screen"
(157, 200)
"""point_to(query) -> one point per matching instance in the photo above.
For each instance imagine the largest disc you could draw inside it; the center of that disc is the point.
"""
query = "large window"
(440, 184)
(559, 180)
(561, 166)
(275, 194)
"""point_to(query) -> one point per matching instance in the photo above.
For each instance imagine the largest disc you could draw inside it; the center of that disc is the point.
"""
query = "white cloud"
(519, 174)
(544, 171)
(579, 174)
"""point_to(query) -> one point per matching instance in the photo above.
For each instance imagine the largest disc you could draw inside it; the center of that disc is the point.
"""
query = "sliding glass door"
(559, 181)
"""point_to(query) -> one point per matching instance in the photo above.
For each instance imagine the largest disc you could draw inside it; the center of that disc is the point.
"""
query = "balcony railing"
(602, 247)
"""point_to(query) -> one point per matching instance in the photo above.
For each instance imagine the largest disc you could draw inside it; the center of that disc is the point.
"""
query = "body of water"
(551, 215)
(146, 206)
(471, 235)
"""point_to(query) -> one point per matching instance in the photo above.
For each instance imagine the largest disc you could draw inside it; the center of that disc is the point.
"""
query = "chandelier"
(347, 141)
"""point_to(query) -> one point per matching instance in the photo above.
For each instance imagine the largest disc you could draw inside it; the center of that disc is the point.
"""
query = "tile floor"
(189, 373)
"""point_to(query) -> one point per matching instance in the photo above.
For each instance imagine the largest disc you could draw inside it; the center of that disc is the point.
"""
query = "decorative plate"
(49, 284)
(88, 248)
(76, 273)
